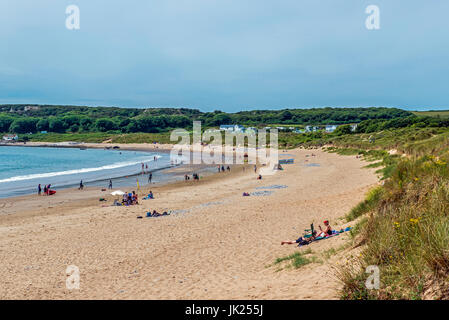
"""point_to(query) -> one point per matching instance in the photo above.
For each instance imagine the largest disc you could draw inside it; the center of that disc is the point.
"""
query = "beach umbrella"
(118, 193)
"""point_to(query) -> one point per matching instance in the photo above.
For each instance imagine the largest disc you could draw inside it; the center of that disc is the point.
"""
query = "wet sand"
(219, 246)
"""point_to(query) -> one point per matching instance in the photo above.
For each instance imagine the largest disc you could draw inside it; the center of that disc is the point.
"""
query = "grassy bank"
(404, 227)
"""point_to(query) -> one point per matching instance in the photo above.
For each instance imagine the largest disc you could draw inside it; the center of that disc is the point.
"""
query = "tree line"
(61, 119)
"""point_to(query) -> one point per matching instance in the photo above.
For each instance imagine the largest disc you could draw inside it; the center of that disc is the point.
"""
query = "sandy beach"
(220, 245)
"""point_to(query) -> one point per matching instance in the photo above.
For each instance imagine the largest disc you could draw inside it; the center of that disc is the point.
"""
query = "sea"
(23, 168)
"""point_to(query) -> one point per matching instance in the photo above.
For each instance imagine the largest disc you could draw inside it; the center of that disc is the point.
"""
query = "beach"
(216, 245)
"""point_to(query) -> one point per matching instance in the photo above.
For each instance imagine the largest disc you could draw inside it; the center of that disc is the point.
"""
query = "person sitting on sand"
(327, 231)
(134, 198)
(259, 177)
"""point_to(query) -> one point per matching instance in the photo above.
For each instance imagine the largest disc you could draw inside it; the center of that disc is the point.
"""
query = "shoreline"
(124, 179)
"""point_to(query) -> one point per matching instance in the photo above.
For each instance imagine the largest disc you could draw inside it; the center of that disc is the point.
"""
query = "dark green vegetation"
(72, 119)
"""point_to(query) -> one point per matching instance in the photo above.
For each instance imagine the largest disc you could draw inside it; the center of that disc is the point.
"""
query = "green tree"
(343, 129)
(104, 125)
(23, 125)
(42, 125)
(5, 123)
(56, 125)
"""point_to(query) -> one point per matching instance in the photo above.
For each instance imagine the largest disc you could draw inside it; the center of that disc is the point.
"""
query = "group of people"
(195, 177)
(313, 236)
(130, 199)
(46, 190)
(222, 168)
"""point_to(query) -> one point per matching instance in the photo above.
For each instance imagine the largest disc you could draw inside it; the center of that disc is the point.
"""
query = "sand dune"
(222, 247)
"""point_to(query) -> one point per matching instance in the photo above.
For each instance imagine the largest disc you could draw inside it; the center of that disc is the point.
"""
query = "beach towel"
(261, 193)
(334, 233)
(274, 186)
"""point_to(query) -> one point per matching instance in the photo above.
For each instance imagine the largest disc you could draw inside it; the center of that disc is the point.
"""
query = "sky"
(228, 55)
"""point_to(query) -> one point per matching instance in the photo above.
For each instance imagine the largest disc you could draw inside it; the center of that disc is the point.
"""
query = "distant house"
(331, 128)
(311, 128)
(10, 137)
(251, 130)
(232, 128)
(44, 132)
(30, 108)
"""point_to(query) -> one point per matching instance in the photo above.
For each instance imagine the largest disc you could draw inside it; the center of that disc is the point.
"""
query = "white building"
(10, 137)
(331, 128)
(251, 130)
(232, 128)
(30, 108)
(311, 129)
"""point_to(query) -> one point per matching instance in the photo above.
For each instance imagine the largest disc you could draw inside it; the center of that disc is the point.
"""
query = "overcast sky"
(225, 54)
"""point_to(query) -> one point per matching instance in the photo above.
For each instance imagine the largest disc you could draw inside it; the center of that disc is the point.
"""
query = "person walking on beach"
(81, 185)
(143, 168)
(45, 189)
(255, 169)
(39, 189)
(150, 177)
(110, 184)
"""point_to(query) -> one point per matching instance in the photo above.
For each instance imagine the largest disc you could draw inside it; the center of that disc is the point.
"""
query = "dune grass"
(406, 233)
(297, 259)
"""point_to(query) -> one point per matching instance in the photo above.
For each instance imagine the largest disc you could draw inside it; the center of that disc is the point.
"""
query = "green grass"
(99, 137)
(370, 202)
(406, 233)
(436, 113)
(297, 259)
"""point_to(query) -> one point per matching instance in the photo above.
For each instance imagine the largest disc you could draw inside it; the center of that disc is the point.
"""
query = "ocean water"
(23, 168)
